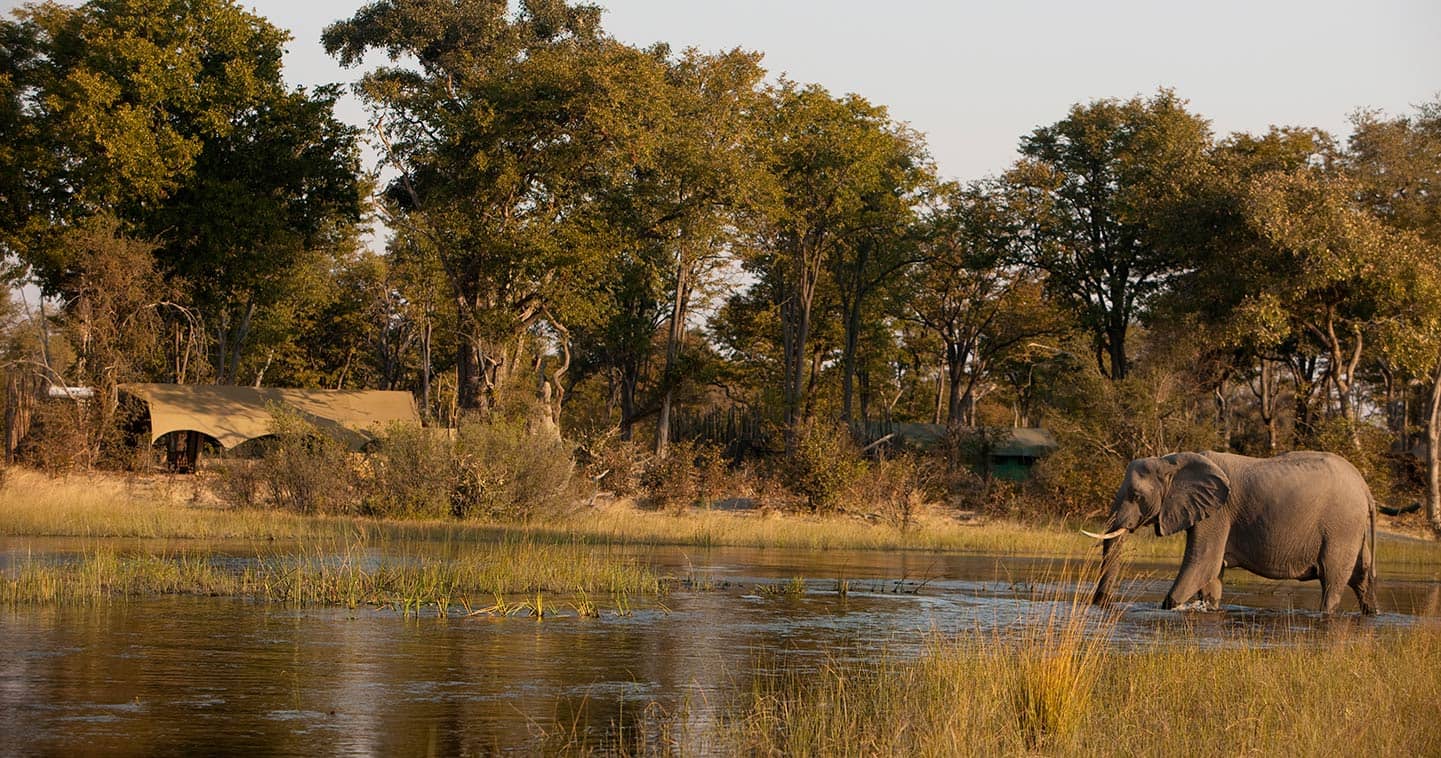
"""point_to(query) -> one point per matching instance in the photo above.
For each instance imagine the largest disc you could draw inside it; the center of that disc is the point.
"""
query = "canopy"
(232, 415)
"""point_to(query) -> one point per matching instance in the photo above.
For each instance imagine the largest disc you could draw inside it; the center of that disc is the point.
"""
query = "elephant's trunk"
(1110, 569)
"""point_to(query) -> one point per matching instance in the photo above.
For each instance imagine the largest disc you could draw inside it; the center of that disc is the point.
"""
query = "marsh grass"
(1025, 687)
(346, 575)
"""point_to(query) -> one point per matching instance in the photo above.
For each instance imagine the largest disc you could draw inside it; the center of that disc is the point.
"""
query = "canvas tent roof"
(1031, 442)
(232, 415)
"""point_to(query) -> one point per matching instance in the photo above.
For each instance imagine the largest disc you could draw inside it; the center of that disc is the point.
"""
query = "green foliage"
(1101, 192)
(508, 472)
(824, 467)
(305, 470)
(413, 473)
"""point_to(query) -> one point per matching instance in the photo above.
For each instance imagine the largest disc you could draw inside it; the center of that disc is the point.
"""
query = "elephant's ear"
(1198, 488)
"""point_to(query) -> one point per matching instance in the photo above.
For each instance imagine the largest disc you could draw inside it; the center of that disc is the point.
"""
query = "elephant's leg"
(1205, 553)
(1337, 568)
(1211, 593)
(1362, 585)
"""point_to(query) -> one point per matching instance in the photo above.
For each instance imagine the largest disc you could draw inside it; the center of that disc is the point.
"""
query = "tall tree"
(494, 132)
(826, 157)
(968, 292)
(1396, 163)
(1100, 190)
(1220, 296)
(669, 203)
(173, 118)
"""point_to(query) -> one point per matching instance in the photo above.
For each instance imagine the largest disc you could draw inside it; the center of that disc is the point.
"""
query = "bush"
(691, 474)
(506, 471)
(895, 488)
(412, 473)
(238, 482)
(825, 465)
(614, 464)
(304, 469)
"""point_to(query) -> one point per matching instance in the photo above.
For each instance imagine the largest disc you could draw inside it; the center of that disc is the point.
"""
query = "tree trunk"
(629, 378)
(848, 359)
(1433, 455)
(955, 399)
(1116, 350)
(674, 336)
(425, 369)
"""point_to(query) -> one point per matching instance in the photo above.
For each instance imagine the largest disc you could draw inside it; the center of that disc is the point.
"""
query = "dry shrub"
(238, 482)
(894, 489)
(614, 464)
(1073, 481)
(508, 471)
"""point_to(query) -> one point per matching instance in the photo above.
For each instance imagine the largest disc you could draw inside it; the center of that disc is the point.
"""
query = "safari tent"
(1010, 453)
(233, 415)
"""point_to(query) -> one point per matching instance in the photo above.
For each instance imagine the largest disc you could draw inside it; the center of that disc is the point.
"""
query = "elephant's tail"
(1371, 564)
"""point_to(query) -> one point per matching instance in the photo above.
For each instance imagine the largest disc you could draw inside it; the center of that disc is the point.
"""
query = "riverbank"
(183, 508)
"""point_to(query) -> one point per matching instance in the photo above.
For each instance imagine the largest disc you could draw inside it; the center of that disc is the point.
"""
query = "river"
(195, 675)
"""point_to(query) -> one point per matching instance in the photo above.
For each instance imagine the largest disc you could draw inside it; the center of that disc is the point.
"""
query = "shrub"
(825, 464)
(895, 488)
(506, 471)
(239, 482)
(614, 464)
(303, 469)
(412, 473)
(692, 473)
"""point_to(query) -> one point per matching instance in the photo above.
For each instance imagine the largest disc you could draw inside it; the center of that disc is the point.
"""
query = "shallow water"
(206, 675)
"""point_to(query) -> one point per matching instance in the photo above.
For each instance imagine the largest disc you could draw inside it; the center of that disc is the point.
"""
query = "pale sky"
(976, 76)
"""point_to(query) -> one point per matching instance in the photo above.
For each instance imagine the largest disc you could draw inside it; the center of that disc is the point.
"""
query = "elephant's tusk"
(1107, 535)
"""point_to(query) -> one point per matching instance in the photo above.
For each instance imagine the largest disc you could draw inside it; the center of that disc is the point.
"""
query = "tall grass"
(1026, 687)
(1357, 691)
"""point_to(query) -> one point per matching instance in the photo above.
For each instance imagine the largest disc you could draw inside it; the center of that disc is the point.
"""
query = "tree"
(1397, 166)
(494, 133)
(174, 120)
(669, 207)
(879, 245)
(273, 202)
(1217, 298)
(1334, 272)
(1100, 191)
(969, 294)
(826, 158)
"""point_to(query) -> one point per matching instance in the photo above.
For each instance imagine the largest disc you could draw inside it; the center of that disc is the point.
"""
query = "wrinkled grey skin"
(1302, 515)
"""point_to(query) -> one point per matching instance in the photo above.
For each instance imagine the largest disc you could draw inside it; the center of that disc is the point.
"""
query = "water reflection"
(202, 675)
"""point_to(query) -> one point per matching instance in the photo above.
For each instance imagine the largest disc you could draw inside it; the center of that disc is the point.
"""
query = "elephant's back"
(1293, 504)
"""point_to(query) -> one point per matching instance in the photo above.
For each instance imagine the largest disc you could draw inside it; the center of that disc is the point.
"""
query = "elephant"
(1301, 515)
